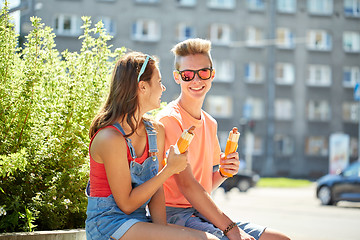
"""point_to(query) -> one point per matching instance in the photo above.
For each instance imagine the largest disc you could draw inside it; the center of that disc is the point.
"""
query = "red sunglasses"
(188, 75)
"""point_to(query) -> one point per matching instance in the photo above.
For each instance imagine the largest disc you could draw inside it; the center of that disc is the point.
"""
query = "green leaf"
(47, 102)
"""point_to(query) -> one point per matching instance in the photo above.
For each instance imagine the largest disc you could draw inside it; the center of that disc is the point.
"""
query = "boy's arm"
(157, 202)
(200, 199)
(203, 203)
(157, 207)
(190, 187)
(217, 180)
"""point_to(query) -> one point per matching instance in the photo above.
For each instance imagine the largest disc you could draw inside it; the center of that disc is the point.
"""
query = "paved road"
(294, 211)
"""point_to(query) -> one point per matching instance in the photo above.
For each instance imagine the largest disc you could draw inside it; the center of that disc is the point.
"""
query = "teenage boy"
(187, 194)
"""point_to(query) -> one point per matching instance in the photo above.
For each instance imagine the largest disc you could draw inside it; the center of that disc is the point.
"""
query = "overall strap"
(151, 138)
(128, 140)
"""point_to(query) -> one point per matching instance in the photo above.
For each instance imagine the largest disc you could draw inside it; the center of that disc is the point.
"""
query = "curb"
(71, 234)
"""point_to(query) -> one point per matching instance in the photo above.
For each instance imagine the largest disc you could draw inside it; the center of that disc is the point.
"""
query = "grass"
(283, 182)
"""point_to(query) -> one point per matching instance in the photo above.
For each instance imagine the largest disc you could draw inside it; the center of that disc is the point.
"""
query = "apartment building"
(285, 69)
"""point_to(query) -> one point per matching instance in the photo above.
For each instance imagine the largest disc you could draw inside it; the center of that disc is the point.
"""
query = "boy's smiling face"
(196, 88)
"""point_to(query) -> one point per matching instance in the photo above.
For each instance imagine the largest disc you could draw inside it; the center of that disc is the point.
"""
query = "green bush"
(47, 102)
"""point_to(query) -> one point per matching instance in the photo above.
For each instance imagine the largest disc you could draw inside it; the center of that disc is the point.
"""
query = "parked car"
(344, 186)
(243, 180)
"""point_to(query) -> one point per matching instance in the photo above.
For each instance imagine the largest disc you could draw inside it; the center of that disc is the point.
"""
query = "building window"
(254, 37)
(284, 145)
(318, 110)
(351, 41)
(285, 74)
(253, 146)
(254, 72)
(319, 76)
(185, 31)
(219, 106)
(286, 6)
(352, 8)
(253, 108)
(109, 25)
(221, 4)
(319, 40)
(187, 3)
(353, 147)
(257, 5)
(284, 38)
(351, 76)
(258, 146)
(146, 1)
(145, 30)
(225, 70)
(220, 34)
(283, 109)
(350, 112)
(67, 25)
(317, 146)
(320, 7)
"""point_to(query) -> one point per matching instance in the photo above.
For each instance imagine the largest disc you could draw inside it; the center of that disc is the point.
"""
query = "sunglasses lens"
(187, 75)
(204, 73)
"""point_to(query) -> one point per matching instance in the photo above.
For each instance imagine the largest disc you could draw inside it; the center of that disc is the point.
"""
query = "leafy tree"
(47, 102)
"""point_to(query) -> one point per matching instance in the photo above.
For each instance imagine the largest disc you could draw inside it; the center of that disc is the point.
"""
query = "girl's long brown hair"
(122, 100)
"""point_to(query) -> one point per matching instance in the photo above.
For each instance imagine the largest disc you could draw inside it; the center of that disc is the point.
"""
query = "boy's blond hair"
(191, 47)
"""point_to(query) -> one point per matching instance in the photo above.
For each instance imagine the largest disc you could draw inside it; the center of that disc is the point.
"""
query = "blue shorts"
(189, 217)
(105, 219)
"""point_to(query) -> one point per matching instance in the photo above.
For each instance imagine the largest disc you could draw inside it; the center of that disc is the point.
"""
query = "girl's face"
(156, 88)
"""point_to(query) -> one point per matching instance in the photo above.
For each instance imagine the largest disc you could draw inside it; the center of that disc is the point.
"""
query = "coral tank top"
(99, 185)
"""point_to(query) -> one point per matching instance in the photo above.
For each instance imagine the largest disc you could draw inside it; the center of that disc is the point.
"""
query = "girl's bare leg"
(149, 231)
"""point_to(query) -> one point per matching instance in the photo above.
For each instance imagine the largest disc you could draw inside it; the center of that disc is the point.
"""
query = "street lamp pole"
(269, 164)
(358, 148)
(357, 98)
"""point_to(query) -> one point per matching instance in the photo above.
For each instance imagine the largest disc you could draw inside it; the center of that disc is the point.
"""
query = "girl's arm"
(109, 147)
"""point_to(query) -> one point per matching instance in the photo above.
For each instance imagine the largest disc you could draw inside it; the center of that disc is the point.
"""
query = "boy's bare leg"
(271, 234)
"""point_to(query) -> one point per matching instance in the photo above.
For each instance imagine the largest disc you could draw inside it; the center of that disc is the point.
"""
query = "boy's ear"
(213, 74)
(176, 77)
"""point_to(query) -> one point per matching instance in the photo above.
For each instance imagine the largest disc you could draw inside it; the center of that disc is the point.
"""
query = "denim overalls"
(104, 218)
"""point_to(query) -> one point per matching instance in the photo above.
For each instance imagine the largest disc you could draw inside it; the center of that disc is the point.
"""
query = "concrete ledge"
(71, 234)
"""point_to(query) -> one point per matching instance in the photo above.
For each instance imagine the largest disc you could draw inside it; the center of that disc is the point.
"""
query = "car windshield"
(352, 171)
